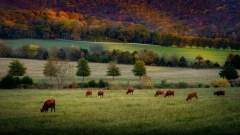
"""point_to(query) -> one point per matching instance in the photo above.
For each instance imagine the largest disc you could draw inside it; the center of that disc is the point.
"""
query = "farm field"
(117, 113)
(215, 55)
(98, 71)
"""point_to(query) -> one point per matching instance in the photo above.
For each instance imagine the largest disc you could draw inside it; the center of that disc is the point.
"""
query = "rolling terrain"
(215, 55)
(215, 18)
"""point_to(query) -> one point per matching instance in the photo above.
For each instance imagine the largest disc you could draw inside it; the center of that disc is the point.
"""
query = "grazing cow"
(130, 91)
(88, 93)
(50, 103)
(192, 95)
(169, 93)
(158, 93)
(100, 93)
(219, 93)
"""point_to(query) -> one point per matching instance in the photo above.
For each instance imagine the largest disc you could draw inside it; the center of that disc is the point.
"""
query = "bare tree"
(60, 73)
(65, 73)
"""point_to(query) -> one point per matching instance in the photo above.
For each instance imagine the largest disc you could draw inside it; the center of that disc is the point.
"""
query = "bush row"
(11, 82)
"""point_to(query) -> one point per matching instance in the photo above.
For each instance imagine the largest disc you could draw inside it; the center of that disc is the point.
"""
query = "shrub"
(83, 85)
(102, 84)
(9, 82)
(26, 81)
(164, 84)
(220, 83)
(92, 84)
(43, 84)
(182, 85)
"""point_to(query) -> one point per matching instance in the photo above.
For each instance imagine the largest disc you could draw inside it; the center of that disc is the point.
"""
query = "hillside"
(215, 18)
(215, 55)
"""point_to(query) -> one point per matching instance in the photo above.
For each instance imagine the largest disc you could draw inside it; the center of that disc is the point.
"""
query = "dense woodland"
(152, 22)
(120, 34)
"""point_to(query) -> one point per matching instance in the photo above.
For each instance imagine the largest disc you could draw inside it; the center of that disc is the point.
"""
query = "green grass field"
(118, 113)
(98, 71)
(215, 55)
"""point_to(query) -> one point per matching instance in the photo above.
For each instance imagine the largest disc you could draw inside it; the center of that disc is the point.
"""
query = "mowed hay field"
(215, 55)
(117, 113)
(98, 71)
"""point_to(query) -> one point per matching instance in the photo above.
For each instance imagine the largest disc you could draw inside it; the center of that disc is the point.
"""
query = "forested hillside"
(164, 22)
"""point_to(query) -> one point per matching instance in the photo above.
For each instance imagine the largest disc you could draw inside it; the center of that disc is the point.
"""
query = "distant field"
(215, 55)
(119, 114)
(98, 71)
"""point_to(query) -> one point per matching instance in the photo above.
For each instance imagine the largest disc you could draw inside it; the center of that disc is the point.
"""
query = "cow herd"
(50, 103)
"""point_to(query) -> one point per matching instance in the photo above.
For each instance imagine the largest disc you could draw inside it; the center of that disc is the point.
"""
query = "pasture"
(98, 71)
(215, 55)
(117, 113)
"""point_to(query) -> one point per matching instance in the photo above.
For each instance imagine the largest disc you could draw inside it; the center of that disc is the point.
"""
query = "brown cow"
(192, 95)
(158, 93)
(100, 93)
(88, 93)
(219, 93)
(169, 93)
(50, 103)
(130, 91)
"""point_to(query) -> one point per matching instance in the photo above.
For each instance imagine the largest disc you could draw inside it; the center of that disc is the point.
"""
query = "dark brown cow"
(192, 95)
(100, 93)
(130, 91)
(88, 93)
(158, 93)
(169, 93)
(50, 103)
(219, 93)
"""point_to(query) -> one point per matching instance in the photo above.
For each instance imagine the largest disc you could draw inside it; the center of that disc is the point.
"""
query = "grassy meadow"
(98, 71)
(117, 113)
(215, 55)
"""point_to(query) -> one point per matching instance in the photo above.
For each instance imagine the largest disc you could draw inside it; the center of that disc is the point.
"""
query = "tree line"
(46, 29)
(62, 75)
(97, 54)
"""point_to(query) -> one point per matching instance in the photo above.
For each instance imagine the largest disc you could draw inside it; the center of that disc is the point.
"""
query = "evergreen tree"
(139, 68)
(16, 68)
(113, 70)
(229, 72)
(83, 69)
(183, 62)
